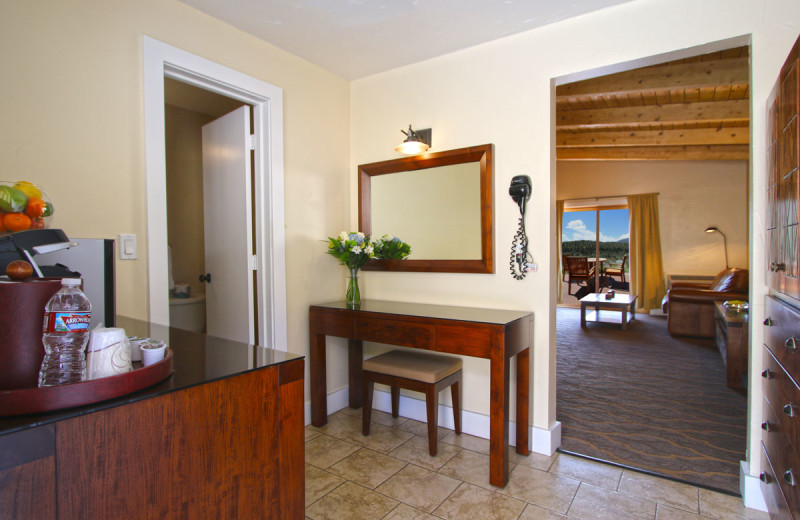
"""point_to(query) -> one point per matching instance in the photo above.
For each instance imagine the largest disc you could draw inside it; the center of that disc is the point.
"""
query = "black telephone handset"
(520, 191)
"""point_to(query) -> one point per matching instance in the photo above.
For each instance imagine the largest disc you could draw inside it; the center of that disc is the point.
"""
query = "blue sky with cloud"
(581, 225)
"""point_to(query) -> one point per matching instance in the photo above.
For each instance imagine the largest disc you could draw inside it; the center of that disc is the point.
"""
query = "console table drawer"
(782, 335)
(394, 332)
(457, 339)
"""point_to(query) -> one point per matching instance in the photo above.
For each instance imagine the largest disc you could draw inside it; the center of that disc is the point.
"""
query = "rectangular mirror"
(440, 203)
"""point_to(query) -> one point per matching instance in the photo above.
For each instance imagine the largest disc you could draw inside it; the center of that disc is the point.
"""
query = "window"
(592, 228)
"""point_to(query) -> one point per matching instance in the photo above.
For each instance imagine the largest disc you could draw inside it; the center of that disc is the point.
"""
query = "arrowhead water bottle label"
(66, 321)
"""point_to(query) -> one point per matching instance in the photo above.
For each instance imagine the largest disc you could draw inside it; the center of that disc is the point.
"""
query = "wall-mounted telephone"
(520, 191)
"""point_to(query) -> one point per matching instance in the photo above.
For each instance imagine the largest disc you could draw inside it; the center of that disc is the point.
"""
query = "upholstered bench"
(420, 372)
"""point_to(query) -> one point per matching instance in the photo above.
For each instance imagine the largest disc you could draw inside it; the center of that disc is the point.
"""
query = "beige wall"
(503, 92)
(72, 121)
(184, 150)
(693, 195)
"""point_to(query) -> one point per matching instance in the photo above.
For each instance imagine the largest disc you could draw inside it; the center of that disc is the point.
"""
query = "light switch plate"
(127, 247)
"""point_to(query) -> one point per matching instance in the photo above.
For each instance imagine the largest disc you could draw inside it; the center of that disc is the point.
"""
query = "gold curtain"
(559, 233)
(647, 268)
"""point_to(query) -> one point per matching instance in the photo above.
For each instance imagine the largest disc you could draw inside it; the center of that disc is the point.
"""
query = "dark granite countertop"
(198, 359)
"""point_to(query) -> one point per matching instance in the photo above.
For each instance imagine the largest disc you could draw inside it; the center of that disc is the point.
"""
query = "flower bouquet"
(354, 249)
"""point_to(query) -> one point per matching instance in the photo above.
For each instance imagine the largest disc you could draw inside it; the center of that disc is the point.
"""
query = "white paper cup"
(153, 352)
(136, 354)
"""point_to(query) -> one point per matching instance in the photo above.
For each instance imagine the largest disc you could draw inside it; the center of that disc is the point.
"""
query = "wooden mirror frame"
(483, 155)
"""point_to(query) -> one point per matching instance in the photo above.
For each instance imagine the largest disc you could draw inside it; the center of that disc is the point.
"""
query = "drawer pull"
(775, 267)
(766, 426)
(789, 410)
(791, 344)
(788, 477)
(768, 322)
(764, 477)
(767, 374)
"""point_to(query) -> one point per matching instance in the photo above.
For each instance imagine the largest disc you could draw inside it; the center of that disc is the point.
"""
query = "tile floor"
(389, 475)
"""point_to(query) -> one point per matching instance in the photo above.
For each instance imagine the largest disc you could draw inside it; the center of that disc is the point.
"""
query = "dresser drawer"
(405, 333)
(770, 488)
(782, 394)
(782, 335)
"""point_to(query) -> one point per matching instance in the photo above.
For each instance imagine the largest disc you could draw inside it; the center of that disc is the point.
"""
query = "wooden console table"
(492, 334)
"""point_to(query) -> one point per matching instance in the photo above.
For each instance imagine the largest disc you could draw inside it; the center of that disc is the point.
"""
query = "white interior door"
(228, 226)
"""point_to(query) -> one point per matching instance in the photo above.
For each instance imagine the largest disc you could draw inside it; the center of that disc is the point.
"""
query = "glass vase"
(353, 297)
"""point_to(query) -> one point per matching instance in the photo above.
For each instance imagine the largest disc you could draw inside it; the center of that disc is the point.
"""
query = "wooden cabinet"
(227, 448)
(780, 439)
(780, 459)
(783, 182)
(731, 338)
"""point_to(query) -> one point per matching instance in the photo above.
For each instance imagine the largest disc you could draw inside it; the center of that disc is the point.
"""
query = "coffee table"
(624, 303)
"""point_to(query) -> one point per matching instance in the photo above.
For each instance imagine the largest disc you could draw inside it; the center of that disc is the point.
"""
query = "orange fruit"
(2, 227)
(37, 223)
(36, 207)
(16, 221)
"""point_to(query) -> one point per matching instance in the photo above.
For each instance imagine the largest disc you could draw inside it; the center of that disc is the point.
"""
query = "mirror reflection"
(436, 210)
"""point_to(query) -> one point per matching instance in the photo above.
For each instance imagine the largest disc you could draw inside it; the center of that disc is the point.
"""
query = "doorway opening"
(643, 135)
(163, 61)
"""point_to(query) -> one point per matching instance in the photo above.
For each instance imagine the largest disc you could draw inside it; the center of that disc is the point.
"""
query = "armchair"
(690, 306)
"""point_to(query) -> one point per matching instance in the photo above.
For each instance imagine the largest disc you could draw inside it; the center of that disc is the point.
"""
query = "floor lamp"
(724, 241)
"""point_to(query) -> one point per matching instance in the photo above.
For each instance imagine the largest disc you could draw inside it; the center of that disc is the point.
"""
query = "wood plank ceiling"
(691, 109)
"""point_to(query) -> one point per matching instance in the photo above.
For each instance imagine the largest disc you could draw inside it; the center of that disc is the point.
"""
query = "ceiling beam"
(668, 76)
(696, 136)
(737, 111)
(656, 153)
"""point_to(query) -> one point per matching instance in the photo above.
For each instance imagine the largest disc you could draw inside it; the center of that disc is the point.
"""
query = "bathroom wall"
(185, 194)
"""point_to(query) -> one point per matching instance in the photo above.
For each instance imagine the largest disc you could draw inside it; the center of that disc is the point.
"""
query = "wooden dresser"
(780, 441)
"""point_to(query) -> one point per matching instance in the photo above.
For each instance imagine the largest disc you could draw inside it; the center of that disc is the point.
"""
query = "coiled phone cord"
(519, 251)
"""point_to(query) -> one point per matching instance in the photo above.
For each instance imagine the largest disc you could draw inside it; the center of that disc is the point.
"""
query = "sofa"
(690, 306)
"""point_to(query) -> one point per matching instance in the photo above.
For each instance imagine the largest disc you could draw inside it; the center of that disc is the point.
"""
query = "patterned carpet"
(646, 400)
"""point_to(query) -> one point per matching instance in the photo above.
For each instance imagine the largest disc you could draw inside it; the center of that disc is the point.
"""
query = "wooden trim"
(484, 155)
(657, 153)
(662, 77)
(688, 136)
(737, 111)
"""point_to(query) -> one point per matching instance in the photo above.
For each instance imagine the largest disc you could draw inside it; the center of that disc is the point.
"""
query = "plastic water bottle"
(65, 334)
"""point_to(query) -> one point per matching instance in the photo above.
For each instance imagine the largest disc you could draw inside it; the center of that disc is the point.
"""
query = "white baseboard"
(750, 488)
(543, 441)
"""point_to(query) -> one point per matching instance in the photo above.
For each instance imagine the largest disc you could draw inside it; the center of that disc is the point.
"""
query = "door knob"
(205, 278)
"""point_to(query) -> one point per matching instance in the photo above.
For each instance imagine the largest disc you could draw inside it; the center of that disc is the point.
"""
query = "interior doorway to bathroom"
(192, 234)
(266, 262)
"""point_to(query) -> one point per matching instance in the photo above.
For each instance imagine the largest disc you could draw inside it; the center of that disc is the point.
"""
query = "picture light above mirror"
(440, 203)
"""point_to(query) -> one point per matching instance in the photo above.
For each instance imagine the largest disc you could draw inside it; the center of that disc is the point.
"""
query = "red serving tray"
(38, 400)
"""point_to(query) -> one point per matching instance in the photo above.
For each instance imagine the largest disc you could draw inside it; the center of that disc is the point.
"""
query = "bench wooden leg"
(432, 405)
(366, 411)
(395, 401)
(455, 390)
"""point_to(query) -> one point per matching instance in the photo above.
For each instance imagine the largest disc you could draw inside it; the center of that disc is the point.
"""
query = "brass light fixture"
(713, 229)
(417, 141)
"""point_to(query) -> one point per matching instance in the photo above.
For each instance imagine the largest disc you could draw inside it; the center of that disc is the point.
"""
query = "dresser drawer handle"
(764, 477)
(768, 322)
(788, 477)
(791, 344)
(766, 426)
(767, 374)
(775, 267)
(789, 410)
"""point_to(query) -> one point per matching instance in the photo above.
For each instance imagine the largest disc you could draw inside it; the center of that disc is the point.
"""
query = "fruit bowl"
(23, 205)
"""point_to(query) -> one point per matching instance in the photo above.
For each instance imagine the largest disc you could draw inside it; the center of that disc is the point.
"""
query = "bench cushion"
(428, 368)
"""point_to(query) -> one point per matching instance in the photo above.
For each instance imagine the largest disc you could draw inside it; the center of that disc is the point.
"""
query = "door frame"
(159, 61)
